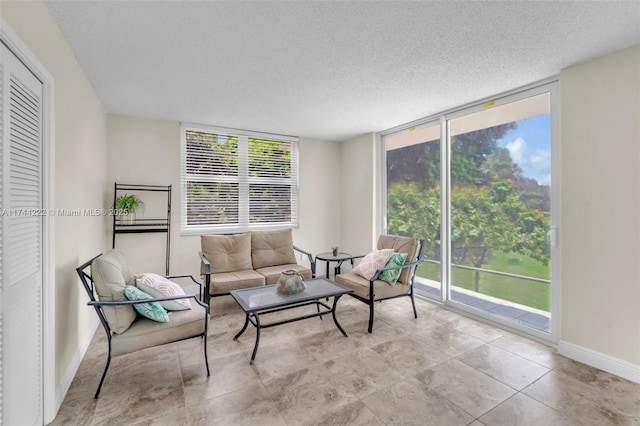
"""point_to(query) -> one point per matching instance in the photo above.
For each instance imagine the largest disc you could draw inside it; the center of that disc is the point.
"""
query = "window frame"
(243, 179)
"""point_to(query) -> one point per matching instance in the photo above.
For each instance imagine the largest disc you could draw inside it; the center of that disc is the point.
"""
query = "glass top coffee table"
(264, 300)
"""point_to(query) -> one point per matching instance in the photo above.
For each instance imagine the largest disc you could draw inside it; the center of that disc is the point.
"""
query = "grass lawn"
(528, 293)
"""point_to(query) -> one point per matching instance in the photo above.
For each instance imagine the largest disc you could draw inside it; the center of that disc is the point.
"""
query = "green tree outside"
(494, 208)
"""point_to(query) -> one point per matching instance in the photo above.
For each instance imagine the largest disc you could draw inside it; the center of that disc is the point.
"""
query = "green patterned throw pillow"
(391, 276)
(151, 310)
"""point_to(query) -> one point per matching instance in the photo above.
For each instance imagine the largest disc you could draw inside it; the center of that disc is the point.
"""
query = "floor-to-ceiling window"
(475, 184)
(413, 179)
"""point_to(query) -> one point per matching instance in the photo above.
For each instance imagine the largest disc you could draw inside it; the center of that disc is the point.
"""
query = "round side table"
(329, 257)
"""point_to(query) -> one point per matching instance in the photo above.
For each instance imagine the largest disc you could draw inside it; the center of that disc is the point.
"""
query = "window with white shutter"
(235, 180)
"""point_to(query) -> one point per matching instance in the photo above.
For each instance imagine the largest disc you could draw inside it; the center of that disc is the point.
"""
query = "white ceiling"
(328, 70)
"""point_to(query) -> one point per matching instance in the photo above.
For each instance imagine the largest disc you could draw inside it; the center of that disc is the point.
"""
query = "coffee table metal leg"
(333, 312)
(246, 323)
(255, 348)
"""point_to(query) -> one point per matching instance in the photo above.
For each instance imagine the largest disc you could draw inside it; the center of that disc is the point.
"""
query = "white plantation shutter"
(211, 190)
(236, 181)
(272, 187)
(21, 204)
(24, 184)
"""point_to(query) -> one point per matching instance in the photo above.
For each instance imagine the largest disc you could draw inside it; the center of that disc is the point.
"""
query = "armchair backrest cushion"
(111, 274)
(401, 245)
(272, 248)
(227, 253)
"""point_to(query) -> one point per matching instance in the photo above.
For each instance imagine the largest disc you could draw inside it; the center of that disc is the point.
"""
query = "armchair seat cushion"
(224, 282)
(146, 333)
(272, 273)
(381, 289)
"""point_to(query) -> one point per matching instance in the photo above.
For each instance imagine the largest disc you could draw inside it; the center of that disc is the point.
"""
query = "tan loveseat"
(250, 259)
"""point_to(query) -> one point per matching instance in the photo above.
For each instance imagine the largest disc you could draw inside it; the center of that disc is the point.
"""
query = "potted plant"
(334, 251)
(127, 206)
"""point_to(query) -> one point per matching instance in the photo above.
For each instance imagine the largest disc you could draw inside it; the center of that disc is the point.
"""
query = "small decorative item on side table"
(334, 251)
(291, 282)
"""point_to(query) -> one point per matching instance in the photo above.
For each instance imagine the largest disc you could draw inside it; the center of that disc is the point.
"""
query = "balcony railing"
(489, 271)
(517, 310)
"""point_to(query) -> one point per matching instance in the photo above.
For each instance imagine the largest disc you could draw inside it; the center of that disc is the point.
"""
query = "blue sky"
(530, 147)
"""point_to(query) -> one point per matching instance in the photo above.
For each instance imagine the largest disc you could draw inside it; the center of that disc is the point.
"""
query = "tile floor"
(439, 369)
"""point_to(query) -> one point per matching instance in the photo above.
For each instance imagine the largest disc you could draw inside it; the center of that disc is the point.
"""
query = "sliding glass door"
(475, 183)
(413, 207)
(500, 207)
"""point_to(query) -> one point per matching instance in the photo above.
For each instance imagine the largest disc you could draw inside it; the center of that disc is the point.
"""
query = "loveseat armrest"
(206, 263)
(312, 261)
(207, 275)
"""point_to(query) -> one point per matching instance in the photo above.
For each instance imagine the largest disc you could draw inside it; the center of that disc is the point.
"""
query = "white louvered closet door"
(21, 204)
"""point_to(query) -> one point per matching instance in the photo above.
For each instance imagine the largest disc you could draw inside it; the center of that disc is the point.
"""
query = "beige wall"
(600, 236)
(145, 151)
(359, 223)
(321, 184)
(142, 151)
(80, 176)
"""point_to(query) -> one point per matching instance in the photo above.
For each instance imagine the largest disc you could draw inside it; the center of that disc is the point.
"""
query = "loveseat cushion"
(227, 253)
(145, 333)
(272, 248)
(401, 245)
(111, 274)
(225, 282)
(272, 273)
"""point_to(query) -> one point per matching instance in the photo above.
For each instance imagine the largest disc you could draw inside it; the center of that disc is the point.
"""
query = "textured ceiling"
(328, 70)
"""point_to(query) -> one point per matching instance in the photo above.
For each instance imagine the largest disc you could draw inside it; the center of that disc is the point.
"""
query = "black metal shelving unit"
(142, 226)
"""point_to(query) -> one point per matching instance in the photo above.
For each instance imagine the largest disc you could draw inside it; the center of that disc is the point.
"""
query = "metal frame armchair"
(126, 331)
(376, 290)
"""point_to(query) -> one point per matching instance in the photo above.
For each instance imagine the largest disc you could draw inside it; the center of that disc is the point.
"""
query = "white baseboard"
(72, 369)
(607, 363)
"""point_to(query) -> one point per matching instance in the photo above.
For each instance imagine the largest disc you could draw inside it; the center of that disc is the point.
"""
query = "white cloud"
(535, 166)
(540, 159)
(518, 150)
(544, 179)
